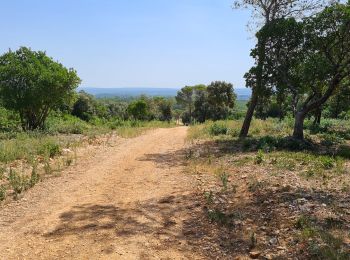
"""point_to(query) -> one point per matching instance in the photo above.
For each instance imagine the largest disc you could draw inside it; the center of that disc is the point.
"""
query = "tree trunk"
(256, 89)
(249, 115)
(294, 104)
(318, 116)
(299, 125)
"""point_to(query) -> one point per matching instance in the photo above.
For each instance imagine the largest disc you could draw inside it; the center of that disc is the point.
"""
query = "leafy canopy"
(32, 84)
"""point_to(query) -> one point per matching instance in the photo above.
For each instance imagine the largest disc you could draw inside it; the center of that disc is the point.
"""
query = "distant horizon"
(133, 43)
(103, 92)
(143, 87)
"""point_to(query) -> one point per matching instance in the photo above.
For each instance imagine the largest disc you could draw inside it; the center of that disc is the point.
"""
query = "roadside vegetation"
(271, 195)
(274, 183)
(43, 119)
(273, 172)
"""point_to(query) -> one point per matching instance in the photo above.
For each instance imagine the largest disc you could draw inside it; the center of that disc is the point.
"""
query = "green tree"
(201, 105)
(117, 109)
(326, 65)
(84, 106)
(339, 104)
(165, 108)
(283, 44)
(186, 98)
(308, 60)
(221, 98)
(138, 110)
(265, 12)
(33, 84)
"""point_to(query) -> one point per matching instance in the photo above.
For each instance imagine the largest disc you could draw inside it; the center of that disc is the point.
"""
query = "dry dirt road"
(131, 200)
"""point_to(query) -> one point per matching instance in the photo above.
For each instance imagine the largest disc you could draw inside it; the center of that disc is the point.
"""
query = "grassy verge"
(257, 191)
(27, 157)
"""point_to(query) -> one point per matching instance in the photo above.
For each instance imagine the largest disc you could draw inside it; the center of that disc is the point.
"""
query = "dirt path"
(129, 201)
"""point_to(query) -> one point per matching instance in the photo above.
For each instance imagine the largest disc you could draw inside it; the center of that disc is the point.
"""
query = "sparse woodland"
(272, 173)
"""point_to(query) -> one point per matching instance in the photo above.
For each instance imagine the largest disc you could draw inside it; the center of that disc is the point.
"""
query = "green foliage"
(34, 176)
(185, 98)
(9, 120)
(301, 64)
(218, 129)
(2, 192)
(221, 98)
(224, 180)
(138, 110)
(66, 124)
(209, 197)
(26, 145)
(321, 243)
(219, 217)
(327, 162)
(50, 149)
(259, 158)
(344, 151)
(186, 118)
(214, 102)
(85, 106)
(33, 84)
(18, 182)
(164, 106)
(255, 185)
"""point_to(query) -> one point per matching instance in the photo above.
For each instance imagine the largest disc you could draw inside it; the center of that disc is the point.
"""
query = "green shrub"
(224, 180)
(256, 185)
(268, 143)
(9, 120)
(66, 124)
(50, 149)
(331, 139)
(209, 197)
(248, 143)
(327, 162)
(2, 192)
(219, 217)
(218, 129)
(34, 177)
(344, 151)
(259, 158)
(18, 182)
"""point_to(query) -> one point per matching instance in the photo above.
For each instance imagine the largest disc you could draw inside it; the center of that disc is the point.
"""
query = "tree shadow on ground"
(172, 221)
(182, 222)
(222, 147)
(169, 159)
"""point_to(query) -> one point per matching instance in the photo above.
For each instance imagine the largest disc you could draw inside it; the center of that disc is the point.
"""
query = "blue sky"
(134, 43)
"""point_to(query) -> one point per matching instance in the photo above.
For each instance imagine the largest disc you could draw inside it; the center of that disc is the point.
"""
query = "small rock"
(281, 248)
(273, 241)
(302, 200)
(254, 254)
(276, 232)
(267, 257)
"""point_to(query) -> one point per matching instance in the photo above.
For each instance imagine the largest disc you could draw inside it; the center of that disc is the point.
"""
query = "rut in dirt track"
(131, 200)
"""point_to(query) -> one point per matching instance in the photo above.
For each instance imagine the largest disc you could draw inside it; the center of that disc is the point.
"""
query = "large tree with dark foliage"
(265, 12)
(221, 98)
(327, 59)
(33, 84)
(308, 60)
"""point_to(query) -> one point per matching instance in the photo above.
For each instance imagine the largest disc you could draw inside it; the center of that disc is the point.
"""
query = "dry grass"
(257, 191)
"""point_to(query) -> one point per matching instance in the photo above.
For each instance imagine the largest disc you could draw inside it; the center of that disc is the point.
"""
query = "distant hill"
(130, 92)
(242, 93)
